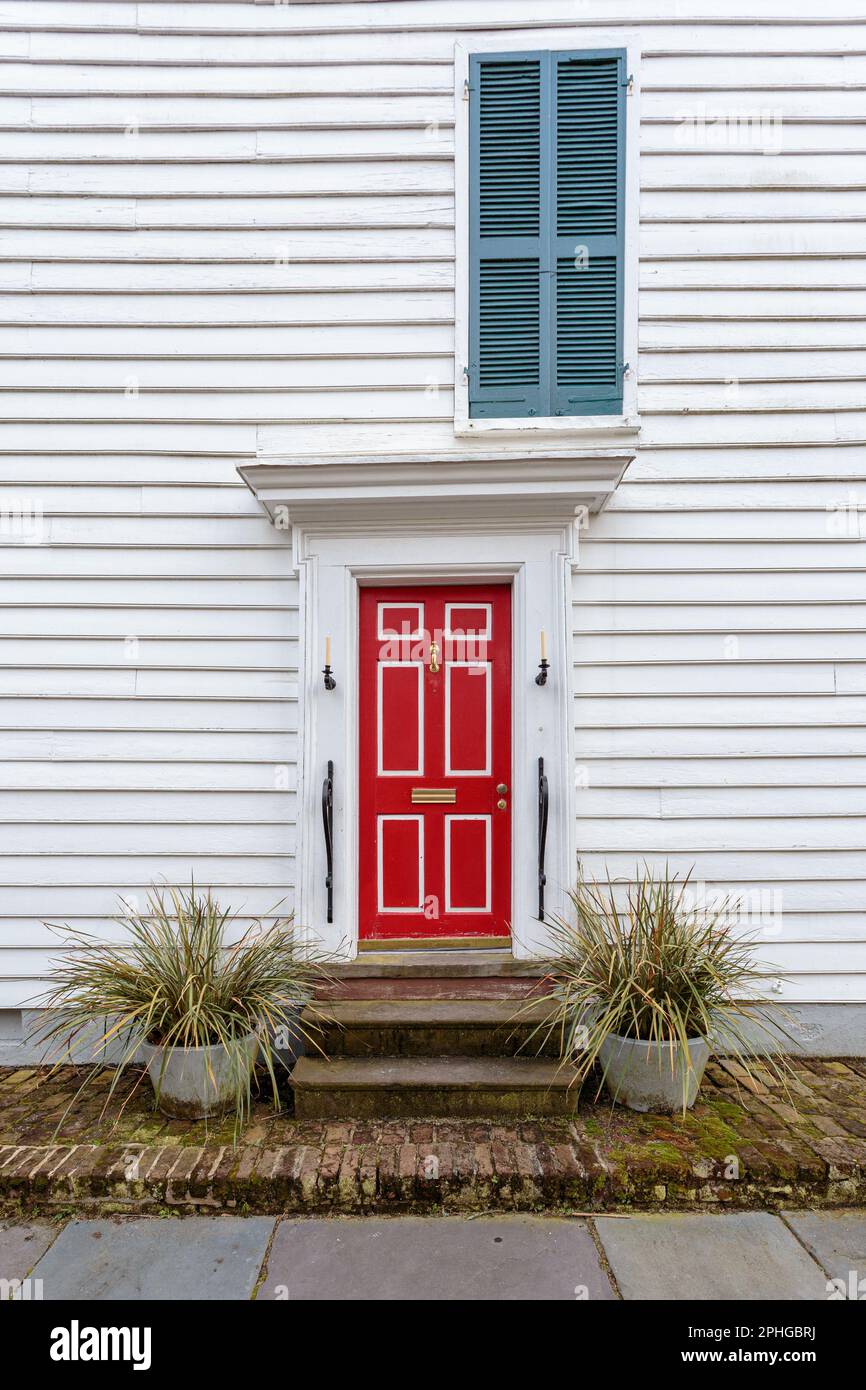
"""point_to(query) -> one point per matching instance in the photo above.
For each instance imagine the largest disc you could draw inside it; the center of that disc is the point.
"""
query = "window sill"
(575, 426)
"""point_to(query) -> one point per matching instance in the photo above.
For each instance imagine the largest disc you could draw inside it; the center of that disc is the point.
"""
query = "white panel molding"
(380, 865)
(384, 634)
(464, 633)
(486, 906)
(475, 666)
(381, 668)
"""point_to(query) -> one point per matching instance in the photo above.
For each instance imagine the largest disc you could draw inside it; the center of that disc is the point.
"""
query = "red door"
(435, 762)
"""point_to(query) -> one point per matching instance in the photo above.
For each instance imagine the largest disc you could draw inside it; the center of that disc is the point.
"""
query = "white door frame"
(538, 562)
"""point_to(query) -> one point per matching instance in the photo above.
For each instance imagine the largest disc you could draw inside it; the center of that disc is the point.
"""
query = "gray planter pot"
(651, 1076)
(287, 1042)
(193, 1082)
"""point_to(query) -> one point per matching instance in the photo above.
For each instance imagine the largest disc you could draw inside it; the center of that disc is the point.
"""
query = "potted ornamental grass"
(647, 983)
(187, 993)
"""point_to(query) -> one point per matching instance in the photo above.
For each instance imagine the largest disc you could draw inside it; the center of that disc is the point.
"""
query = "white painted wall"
(246, 211)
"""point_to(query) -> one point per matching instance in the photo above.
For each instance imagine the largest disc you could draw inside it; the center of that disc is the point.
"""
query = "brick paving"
(741, 1146)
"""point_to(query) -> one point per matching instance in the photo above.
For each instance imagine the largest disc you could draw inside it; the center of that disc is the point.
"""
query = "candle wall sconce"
(330, 682)
(544, 664)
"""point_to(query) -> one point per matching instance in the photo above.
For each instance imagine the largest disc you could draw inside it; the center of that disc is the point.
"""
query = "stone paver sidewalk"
(719, 1257)
(741, 1146)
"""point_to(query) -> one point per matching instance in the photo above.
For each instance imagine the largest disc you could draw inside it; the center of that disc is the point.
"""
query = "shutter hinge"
(624, 368)
(467, 88)
(629, 82)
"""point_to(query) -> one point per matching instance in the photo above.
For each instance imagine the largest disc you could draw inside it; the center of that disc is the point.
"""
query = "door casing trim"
(333, 567)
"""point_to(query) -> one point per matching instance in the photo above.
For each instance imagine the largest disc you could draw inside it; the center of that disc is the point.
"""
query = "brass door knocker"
(434, 658)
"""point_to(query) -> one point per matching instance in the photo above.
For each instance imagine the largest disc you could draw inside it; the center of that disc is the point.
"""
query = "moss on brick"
(602, 1157)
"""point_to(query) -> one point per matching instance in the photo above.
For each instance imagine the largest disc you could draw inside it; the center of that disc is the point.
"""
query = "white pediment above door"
(511, 488)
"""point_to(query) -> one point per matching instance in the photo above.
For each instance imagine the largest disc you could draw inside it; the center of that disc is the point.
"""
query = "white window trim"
(628, 423)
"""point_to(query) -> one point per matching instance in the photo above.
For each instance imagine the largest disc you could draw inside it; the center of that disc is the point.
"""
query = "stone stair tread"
(466, 1013)
(435, 1073)
(437, 963)
(513, 987)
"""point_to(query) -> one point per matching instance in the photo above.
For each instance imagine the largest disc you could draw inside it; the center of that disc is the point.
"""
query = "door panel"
(401, 718)
(435, 761)
(467, 863)
(401, 863)
(467, 718)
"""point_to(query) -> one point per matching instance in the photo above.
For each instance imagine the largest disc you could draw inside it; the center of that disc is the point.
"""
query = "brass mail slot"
(422, 795)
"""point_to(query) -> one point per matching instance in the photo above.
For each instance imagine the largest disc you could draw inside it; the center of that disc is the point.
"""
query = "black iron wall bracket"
(328, 822)
(543, 807)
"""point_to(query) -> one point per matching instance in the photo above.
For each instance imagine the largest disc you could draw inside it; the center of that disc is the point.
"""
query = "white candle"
(327, 651)
(543, 645)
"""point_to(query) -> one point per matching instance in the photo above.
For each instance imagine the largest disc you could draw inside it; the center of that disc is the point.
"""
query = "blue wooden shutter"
(547, 180)
(509, 363)
(588, 198)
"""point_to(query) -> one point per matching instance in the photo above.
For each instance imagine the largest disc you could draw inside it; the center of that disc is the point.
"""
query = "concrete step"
(385, 1087)
(435, 974)
(434, 987)
(432, 1028)
(465, 963)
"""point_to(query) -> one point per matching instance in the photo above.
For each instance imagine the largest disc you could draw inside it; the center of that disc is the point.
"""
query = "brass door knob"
(502, 789)
(502, 803)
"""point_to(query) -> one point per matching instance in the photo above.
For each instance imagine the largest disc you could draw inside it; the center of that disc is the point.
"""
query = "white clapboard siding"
(44, 807)
(781, 622)
(349, 373)
(71, 562)
(258, 112)
(714, 739)
(64, 744)
(198, 654)
(262, 279)
(179, 777)
(227, 230)
(687, 648)
(153, 594)
(269, 341)
(134, 80)
(723, 710)
(201, 712)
